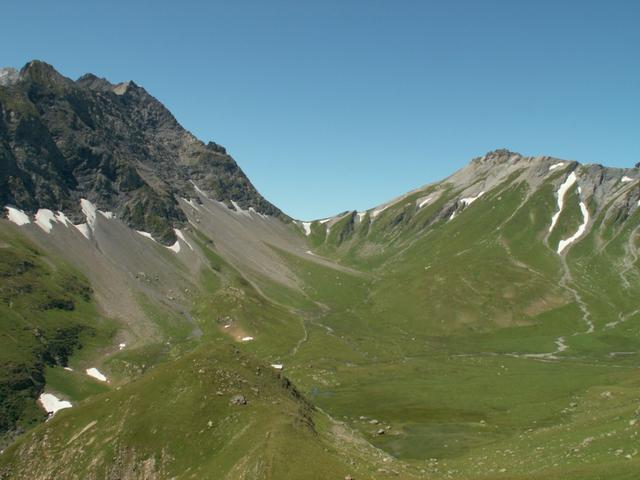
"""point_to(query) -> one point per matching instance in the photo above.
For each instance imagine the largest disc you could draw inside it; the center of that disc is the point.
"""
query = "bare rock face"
(116, 145)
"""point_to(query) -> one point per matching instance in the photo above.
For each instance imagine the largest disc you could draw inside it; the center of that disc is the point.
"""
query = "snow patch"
(17, 216)
(246, 339)
(180, 235)
(145, 235)
(361, 215)
(626, 179)
(253, 210)
(44, 219)
(378, 211)
(568, 183)
(240, 210)
(122, 346)
(466, 202)
(62, 218)
(175, 247)
(326, 220)
(95, 373)
(423, 202)
(581, 229)
(89, 210)
(84, 230)
(469, 200)
(277, 366)
(307, 228)
(556, 165)
(68, 369)
(108, 215)
(52, 404)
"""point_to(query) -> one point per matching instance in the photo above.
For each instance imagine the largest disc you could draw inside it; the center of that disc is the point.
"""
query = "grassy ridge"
(134, 429)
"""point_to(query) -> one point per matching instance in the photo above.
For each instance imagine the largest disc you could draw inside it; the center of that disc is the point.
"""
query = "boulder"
(238, 400)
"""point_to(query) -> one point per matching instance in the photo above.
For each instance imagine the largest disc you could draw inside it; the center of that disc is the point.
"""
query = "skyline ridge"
(395, 94)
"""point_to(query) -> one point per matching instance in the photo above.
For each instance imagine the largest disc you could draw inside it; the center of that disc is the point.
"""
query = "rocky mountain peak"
(40, 72)
(115, 145)
(498, 156)
(93, 82)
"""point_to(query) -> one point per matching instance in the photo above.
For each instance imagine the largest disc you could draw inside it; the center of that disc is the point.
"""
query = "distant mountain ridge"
(611, 192)
(115, 145)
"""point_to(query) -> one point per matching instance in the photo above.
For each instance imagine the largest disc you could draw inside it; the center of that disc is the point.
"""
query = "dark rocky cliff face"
(116, 145)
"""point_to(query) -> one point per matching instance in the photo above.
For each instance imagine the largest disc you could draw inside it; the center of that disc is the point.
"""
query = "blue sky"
(338, 105)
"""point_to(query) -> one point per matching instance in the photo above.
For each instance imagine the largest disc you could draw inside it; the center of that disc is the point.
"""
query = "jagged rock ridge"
(116, 145)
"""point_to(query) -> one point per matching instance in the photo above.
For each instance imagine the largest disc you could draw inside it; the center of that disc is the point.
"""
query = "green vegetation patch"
(46, 314)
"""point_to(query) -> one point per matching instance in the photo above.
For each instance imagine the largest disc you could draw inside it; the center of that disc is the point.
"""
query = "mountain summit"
(115, 145)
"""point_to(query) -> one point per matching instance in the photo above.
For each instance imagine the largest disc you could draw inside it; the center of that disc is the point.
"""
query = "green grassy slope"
(453, 342)
(46, 314)
(133, 432)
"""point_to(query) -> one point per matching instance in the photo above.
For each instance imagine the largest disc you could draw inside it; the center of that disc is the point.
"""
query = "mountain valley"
(161, 319)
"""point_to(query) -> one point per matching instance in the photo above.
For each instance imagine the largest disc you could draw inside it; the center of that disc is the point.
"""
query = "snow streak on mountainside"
(606, 190)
